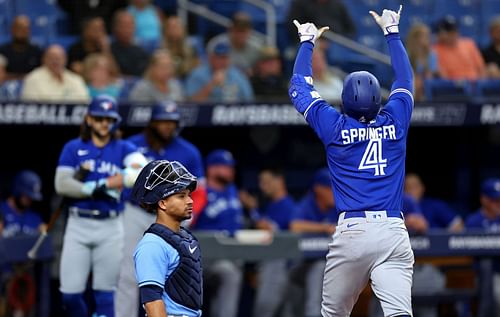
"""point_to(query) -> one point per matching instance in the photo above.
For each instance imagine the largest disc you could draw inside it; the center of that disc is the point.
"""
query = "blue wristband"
(150, 293)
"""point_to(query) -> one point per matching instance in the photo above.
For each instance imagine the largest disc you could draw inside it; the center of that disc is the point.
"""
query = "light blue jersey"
(156, 260)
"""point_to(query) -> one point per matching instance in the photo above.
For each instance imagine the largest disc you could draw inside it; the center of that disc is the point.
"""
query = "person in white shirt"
(52, 82)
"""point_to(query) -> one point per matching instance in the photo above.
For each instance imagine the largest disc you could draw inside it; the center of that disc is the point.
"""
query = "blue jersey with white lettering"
(155, 260)
(179, 149)
(15, 222)
(102, 162)
(223, 211)
(308, 209)
(479, 221)
(366, 160)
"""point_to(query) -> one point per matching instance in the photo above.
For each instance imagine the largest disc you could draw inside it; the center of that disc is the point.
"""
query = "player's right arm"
(317, 112)
(155, 308)
(402, 87)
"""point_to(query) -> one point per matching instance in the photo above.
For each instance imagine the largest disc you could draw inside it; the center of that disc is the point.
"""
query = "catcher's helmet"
(160, 179)
(27, 183)
(104, 106)
(361, 98)
(166, 111)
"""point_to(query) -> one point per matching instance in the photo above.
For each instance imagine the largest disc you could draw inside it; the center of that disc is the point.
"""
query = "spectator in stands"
(3, 69)
(147, 23)
(218, 80)
(223, 212)
(53, 82)
(422, 56)
(176, 42)
(159, 82)
(16, 210)
(21, 54)
(274, 216)
(268, 80)
(326, 82)
(458, 57)
(101, 75)
(438, 213)
(93, 40)
(491, 54)
(315, 214)
(332, 13)
(131, 58)
(245, 46)
(487, 218)
(81, 10)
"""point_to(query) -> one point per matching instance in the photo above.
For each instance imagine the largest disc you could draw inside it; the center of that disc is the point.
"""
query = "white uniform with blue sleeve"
(366, 159)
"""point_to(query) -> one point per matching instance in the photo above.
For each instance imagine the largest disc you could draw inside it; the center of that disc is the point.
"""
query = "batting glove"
(90, 186)
(309, 31)
(389, 21)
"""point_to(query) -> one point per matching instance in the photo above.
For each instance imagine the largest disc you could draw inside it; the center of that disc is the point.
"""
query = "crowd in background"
(136, 52)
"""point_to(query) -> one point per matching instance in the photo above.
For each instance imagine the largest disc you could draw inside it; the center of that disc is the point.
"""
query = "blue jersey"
(155, 260)
(437, 212)
(15, 223)
(410, 206)
(366, 159)
(279, 212)
(179, 149)
(223, 211)
(102, 162)
(479, 221)
(307, 209)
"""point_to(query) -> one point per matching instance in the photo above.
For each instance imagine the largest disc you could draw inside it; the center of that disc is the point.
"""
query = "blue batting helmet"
(361, 98)
(104, 106)
(160, 179)
(27, 183)
(166, 111)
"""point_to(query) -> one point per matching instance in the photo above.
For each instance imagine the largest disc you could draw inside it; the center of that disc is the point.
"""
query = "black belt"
(93, 213)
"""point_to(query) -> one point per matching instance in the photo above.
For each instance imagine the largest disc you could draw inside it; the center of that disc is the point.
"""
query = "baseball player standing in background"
(93, 239)
(159, 141)
(168, 258)
(366, 149)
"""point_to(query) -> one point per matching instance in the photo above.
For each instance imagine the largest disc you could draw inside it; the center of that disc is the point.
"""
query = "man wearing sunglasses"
(93, 240)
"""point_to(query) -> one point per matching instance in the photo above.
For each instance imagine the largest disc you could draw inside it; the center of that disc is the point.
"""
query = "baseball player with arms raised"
(366, 149)
(93, 240)
(168, 258)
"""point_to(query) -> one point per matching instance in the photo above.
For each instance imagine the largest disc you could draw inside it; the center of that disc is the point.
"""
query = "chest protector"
(185, 284)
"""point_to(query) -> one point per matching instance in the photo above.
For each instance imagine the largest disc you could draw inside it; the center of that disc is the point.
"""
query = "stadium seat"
(447, 90)
(466, 12)
(488, 89)
(38, 7)
(127, 84)
(11, 90)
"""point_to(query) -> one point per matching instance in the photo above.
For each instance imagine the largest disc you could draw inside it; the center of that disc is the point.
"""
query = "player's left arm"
(155, 308)
(317, 112)
(402, 87)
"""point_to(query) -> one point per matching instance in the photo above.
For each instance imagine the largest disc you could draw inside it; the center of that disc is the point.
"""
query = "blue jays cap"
(104, 106)
(322, 177)
(166, 111)
(27, 183)
(491, 188)
(221, 48)
(220, 157)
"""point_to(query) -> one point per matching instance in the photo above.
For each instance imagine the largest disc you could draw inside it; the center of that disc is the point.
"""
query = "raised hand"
(389, 21)
(308, 31)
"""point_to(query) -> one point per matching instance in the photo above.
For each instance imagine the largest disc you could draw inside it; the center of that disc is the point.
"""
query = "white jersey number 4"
(372, 158)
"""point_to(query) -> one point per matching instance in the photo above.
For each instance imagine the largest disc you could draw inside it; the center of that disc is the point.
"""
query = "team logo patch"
(106, 105)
